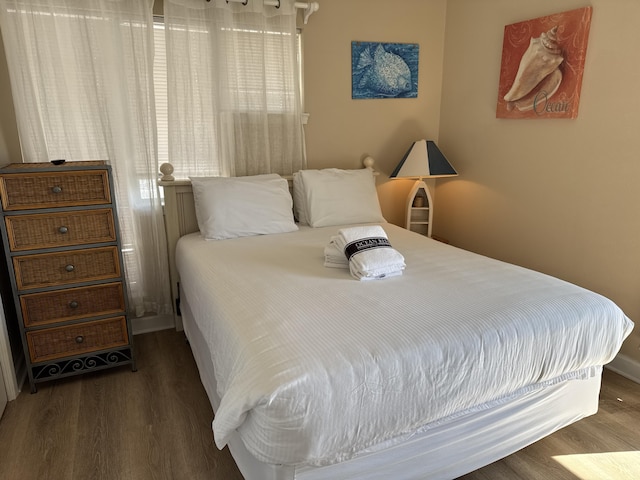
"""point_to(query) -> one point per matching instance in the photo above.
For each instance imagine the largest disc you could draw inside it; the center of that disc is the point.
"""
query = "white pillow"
(340, 197)
(299, 204)
(230, 207)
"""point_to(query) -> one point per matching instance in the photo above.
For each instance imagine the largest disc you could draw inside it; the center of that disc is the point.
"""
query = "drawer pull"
(63, 229)
(79, 339)
(56, 189)
(73, 304)
(69, 268)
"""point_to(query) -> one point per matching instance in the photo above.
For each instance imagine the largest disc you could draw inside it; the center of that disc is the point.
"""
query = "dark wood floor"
(117, 424)
(156, 424)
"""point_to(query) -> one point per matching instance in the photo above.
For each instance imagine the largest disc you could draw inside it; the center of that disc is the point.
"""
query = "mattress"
(313, 367)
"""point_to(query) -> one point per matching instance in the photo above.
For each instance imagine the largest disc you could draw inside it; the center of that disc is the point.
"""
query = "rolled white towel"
(334, 257)
(369, 252)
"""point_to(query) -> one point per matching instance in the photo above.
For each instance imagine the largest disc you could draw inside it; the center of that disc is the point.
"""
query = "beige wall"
(559, 196)
(341, 131)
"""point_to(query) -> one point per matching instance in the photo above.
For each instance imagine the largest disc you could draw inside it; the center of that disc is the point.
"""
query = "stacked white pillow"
(230, 207)
(336, 197)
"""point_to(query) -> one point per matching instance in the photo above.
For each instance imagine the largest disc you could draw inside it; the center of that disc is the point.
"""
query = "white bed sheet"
(306, 357)
(442, 451)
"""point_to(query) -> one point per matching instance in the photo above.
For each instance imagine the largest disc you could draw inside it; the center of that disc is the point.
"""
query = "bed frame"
(445, 449)
(179, 219)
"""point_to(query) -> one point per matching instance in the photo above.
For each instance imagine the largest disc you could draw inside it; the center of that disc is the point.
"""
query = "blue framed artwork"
(384, 70)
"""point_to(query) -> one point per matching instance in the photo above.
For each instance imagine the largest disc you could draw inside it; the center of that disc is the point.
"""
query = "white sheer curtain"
(82, 83)
(233, 88)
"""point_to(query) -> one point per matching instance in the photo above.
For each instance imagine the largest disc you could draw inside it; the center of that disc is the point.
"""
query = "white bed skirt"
(442, 450)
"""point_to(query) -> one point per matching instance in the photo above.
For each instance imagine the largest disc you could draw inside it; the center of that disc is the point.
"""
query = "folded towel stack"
(334, 257)
(369, 252)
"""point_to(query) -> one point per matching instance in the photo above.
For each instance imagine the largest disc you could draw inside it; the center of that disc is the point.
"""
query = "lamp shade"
(424, 159)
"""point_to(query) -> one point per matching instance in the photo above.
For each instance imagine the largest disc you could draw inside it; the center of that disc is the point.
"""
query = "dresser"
(62, 245)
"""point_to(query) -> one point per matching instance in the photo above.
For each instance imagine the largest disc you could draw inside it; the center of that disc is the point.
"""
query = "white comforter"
(313, 366)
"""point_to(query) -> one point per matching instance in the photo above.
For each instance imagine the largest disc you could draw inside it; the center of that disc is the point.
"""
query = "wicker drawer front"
(52, 343)
(21, 191)
(27, 232)
(63, 268)
(72, 304)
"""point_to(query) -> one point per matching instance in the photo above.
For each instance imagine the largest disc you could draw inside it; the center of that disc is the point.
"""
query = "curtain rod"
(309, 7)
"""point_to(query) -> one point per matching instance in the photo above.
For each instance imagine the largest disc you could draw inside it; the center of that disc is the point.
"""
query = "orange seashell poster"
(542, 66)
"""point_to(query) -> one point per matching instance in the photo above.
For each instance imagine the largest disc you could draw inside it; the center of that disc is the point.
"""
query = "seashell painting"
(542, 66)
(384, 70)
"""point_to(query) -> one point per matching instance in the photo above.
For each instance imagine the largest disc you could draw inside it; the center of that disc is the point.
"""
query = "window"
(160, 86)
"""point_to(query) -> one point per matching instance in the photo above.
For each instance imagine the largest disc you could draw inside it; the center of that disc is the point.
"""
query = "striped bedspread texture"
(313, 366)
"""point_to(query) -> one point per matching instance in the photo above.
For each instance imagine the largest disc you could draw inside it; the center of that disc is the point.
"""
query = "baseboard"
(152, 323)
(625, 366)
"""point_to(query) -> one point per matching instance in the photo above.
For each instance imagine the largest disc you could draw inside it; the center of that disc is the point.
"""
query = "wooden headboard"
(180, 219)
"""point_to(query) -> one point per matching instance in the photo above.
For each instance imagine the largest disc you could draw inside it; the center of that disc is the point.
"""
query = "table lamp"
(423, 160)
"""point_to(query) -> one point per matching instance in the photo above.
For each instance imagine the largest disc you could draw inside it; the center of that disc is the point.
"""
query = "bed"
(457, 362)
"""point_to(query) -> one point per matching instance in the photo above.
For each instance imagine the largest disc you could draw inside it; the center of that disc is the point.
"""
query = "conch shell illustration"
(547, 87)
(541, 59)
